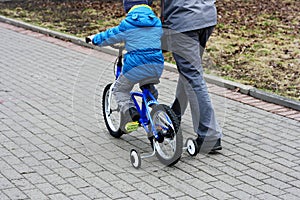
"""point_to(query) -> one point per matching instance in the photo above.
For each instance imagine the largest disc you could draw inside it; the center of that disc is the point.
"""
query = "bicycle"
(158, 120)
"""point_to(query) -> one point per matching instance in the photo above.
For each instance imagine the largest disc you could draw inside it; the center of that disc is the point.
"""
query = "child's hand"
(89, 39)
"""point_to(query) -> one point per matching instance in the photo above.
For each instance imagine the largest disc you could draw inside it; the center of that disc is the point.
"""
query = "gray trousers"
(121, 92)
(187, 50)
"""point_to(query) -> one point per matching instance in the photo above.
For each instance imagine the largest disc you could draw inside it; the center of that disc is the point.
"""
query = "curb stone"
(244, 89)
(273, 98)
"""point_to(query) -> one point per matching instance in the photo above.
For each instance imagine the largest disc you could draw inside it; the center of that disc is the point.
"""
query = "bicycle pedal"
(131, 126)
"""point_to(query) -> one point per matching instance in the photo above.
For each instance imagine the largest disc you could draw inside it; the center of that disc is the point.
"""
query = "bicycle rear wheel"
(170, 142)
(111, 112)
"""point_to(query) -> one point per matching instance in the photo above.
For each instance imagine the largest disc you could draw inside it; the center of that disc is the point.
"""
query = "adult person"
(188, 25)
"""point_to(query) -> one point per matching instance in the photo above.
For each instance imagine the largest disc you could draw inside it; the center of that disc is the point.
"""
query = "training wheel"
(191, 147)
(135, 158)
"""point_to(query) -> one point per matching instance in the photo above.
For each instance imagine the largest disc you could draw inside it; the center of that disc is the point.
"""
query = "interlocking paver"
(92, 193)
(23, 168)
(241, 195)
(295, 173)
(55, 179)
(52, 164)
(277, 183)
(58, 196)
(78, 182)
(34, 178)
(54, 144)
(249, 189)
(5, 183)
(42, 170)
(187, 198)
(69, 163)
(35, 194)
(123, 186)
(223, 186)
(12, 160)
(30, 161)
(3, 196)
(266, 196)
(64, 172)
(68, 189)
(281, 176)
(218, 194)
(256, 174)
(154, 181)
(14, 193)
(171, 191)
(289, 196)
(11, 174)
(84, 173)
(271, 189)
(159, 195)
(97, 182)
(47, 188)
(23, 184)
(229, 179)
(293, 190)
(182, 175)
(185, 187)
(137, 193)
(113, 193)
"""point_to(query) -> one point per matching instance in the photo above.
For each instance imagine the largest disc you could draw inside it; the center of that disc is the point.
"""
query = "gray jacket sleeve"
(188, 15)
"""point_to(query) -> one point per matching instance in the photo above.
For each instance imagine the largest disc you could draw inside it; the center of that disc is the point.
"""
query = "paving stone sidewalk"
(54, 144)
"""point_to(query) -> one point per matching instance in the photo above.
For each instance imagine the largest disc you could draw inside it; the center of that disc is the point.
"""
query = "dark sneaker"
(176, 109)
(178, 115)
(208, 146)
(179, 118)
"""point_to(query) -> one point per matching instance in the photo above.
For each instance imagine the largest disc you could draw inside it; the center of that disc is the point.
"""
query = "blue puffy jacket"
(141, 31)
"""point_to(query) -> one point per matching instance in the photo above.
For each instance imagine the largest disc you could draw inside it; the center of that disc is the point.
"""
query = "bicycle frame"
(119, 65)
(147, 100)
(145, 117)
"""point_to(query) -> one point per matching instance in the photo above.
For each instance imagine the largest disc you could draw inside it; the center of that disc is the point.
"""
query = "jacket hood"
(142, 16)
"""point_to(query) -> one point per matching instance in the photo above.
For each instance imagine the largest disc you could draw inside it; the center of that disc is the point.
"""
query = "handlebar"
(120, 47)
(88, 40)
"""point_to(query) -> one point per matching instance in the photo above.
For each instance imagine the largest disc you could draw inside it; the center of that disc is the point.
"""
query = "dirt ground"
(255, 42)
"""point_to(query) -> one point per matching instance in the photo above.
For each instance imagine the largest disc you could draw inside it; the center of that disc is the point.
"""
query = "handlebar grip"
(88, 40)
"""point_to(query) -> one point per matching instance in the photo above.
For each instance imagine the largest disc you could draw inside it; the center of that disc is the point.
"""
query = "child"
(141, 31)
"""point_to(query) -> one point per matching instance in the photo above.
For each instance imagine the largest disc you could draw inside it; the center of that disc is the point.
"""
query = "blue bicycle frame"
(145, 117)
(147, 100)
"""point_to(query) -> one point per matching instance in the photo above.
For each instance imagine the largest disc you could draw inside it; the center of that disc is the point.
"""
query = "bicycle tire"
(164, 111)
(111, 123)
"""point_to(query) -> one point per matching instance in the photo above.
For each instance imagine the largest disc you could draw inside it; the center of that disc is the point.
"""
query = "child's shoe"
(130, 120)
(131, 126)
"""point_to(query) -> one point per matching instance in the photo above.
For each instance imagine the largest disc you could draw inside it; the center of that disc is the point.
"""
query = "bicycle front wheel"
(111, 112)
(170, 142)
